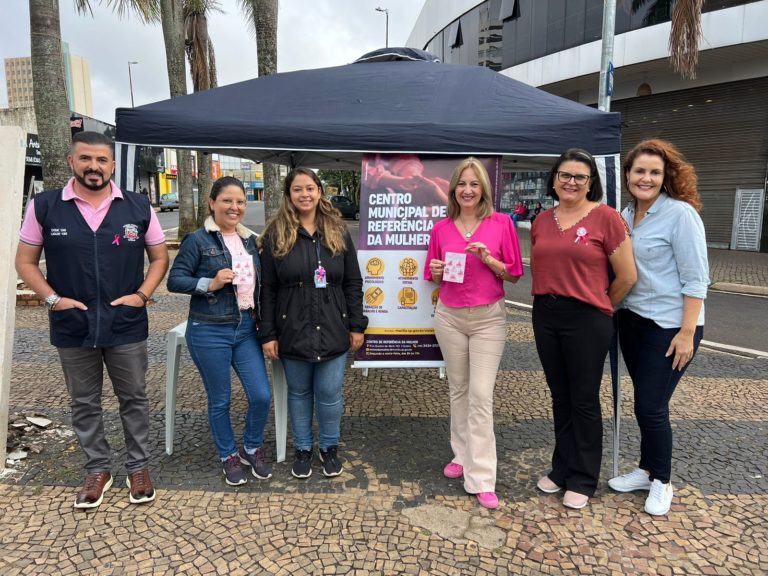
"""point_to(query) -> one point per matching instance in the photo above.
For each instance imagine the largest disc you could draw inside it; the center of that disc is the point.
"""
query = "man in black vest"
(94, 237)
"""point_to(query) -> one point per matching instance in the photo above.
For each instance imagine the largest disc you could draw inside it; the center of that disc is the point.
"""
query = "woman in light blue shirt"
(661, 321)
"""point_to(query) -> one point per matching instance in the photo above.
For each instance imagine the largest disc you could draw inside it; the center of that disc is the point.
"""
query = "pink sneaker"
(453, 470)
(488, 500)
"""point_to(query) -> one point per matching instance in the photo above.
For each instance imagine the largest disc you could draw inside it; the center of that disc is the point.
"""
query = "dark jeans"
(644, 345)
(84, 374)
(572, 339)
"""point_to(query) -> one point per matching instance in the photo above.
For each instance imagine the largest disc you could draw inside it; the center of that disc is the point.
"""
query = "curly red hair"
(680, 180)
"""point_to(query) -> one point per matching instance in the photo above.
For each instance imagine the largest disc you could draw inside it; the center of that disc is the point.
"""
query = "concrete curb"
(737, 350)
(739, 288)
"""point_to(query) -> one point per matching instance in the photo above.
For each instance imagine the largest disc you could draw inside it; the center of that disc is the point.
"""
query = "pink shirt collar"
(68, 193)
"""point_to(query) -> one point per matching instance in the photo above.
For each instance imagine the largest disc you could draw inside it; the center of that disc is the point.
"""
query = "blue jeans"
(644, 345)
(318, 385)
(216, 347)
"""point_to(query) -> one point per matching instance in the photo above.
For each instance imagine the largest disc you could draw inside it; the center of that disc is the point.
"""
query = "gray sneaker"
(257, 462)
(636, 480)
(234, 475)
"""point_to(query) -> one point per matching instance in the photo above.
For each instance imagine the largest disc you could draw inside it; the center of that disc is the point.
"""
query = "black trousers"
(644, 346)
(572, 339)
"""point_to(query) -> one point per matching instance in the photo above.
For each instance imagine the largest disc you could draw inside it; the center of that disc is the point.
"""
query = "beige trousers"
(472, 342)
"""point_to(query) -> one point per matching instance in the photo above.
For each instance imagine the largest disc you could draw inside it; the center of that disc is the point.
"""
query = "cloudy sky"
(311, 34)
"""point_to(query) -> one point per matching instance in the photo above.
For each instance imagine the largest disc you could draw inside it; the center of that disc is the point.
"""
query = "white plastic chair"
(176, 340)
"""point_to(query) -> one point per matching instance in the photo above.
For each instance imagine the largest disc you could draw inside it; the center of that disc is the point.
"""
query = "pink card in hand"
(455, 263)
(242, 266)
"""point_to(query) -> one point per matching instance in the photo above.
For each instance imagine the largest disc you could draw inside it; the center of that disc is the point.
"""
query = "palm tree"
(684, 37)
(262, 17)
(48, 87)
(202, 64)
(49, 91)
(172, 18)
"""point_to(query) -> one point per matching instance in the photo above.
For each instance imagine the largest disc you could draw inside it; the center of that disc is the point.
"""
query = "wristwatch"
(52, 300)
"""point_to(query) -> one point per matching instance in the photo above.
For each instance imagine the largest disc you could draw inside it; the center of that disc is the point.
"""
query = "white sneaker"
(659, 499)
(635, 480)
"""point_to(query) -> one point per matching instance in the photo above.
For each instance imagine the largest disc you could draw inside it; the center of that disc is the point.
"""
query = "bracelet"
(143, 296)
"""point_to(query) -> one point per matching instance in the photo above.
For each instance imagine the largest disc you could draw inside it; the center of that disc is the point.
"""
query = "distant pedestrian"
(218, 266)
(471, 253)
(572, 246)
(661, 322)
(95, 236)
(312, 313)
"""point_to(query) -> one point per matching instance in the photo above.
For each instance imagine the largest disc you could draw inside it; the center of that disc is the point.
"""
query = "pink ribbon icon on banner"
(116, 241)
(581, 234)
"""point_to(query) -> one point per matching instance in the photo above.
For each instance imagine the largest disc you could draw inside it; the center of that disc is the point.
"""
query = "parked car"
(169, 202)
(346, 206)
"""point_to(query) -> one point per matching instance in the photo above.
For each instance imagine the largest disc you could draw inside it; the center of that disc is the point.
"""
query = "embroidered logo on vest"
(131, 232)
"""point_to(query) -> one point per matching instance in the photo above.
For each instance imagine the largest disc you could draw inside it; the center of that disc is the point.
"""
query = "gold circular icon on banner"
(409, 267)
(374, 266)
(435, 296)
(407, 297)
(374, 296)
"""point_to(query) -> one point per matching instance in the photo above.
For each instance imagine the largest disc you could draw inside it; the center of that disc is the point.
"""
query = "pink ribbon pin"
(581, 234)
(116, 241)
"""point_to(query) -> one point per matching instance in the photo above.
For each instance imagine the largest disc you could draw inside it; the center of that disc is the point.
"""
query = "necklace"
(468, 231)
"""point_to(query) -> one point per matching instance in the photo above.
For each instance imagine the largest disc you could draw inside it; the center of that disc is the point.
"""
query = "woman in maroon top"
(571, 248)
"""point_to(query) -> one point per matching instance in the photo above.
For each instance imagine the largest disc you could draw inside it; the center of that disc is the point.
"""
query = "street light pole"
(605, 90)
(130, 80)
(386, 37)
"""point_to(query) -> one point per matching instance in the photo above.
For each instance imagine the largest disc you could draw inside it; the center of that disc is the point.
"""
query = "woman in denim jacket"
(218, 265)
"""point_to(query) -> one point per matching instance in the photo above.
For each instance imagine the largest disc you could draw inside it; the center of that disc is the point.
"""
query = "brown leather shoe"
(140, 485)
(96, 483)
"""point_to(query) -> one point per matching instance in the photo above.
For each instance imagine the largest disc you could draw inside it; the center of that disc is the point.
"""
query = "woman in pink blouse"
(470, 255)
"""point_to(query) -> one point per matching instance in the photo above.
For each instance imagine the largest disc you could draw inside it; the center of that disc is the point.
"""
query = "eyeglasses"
(566, 177)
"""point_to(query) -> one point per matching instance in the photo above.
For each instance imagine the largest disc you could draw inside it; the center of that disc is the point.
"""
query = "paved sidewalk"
(391, 512)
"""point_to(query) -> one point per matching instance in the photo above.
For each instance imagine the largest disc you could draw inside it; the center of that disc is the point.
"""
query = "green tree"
(347, 181)
(48, 87)
(262, 17)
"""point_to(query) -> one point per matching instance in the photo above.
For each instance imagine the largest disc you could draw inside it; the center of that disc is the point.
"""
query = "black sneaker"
(302, 464)
(258, 464)
(233, 471)
(331, 464)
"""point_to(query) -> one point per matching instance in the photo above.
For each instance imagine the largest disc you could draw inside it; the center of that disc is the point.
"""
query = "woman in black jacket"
(312, 313)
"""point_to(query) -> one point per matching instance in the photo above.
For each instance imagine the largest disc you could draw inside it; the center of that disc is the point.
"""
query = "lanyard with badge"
(321, 280)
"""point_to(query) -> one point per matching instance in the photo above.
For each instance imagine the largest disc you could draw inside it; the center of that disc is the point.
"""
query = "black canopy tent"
(329, 117)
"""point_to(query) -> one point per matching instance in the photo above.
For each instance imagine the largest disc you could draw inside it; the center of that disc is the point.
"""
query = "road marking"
(726, 348)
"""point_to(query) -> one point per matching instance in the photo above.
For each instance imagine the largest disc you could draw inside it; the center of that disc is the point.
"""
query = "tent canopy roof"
(328, 117)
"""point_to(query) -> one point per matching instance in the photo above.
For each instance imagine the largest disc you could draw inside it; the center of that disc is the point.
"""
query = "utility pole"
(130, 80)
(386, 37)
(606, 61)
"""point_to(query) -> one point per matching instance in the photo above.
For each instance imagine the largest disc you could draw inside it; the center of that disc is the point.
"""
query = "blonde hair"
(283, 228)
(485, 207)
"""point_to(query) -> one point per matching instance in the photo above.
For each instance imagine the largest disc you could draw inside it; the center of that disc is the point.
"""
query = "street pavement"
(391, 512)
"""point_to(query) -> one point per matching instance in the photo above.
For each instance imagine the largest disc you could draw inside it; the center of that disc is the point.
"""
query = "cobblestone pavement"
(391, 512)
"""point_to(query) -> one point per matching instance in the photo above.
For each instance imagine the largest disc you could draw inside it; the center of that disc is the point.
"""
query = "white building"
(719, 120)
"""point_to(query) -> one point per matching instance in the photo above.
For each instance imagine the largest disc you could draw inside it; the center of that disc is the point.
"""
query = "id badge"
(320, 279)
